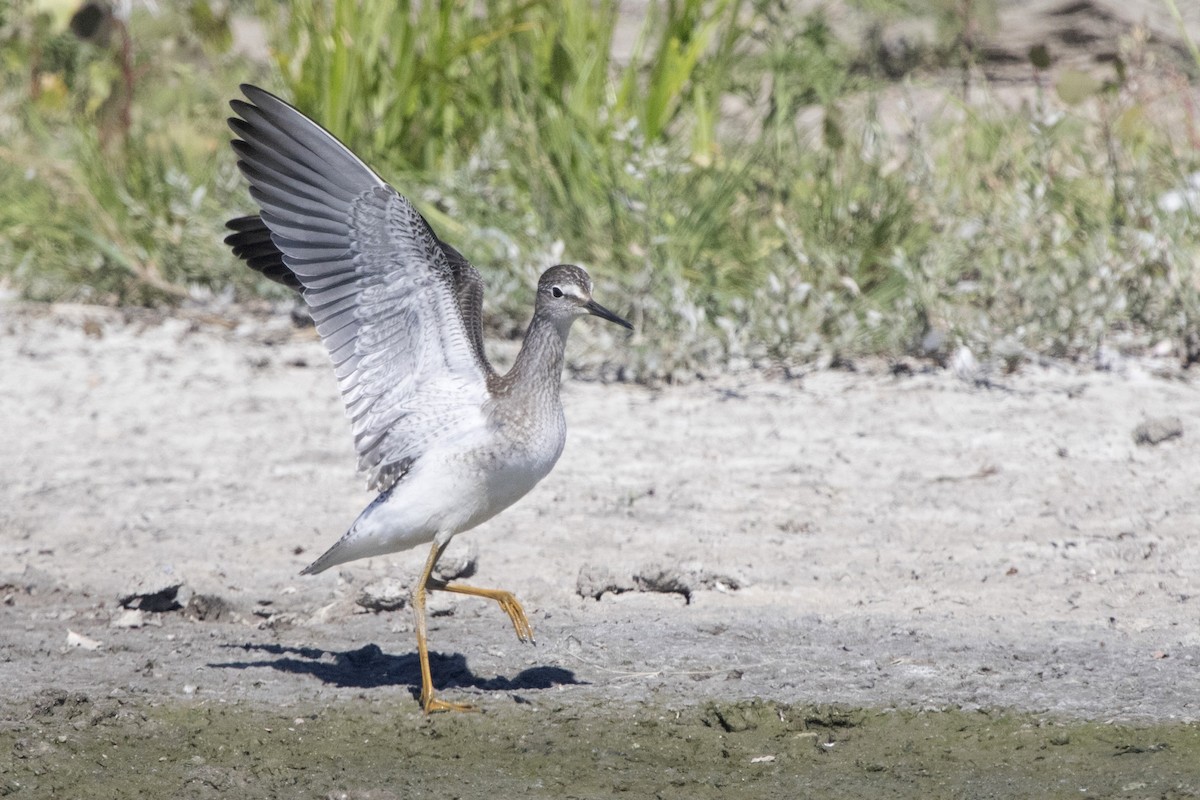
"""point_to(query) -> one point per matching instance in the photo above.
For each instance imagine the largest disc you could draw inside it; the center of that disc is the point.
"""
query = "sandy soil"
(912, 541)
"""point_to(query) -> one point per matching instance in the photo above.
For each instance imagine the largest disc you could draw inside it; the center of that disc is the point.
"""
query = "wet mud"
(68, 745)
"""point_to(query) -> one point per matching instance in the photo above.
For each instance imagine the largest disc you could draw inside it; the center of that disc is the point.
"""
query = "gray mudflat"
(913, 542)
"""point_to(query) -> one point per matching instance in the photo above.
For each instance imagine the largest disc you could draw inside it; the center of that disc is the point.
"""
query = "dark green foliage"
(725, 171)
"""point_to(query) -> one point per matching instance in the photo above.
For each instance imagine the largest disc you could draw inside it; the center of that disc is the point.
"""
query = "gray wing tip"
(238, 124)
(258, 98)
(256, 94)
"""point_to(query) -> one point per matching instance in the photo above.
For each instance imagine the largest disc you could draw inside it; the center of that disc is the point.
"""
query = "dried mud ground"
(848, 583)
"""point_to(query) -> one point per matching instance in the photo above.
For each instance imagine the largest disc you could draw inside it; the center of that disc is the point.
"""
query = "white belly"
(445, 494)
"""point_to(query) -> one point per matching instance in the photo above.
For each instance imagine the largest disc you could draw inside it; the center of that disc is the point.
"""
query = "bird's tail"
(324, 562)
(368, 536)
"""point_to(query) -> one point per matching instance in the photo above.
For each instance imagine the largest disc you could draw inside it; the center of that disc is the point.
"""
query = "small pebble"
(82, 642)
(131, 618)
(386, 594)
(1157, 430)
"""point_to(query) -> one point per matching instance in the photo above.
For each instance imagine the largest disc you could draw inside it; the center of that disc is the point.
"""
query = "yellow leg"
(428, 701)
(508, 603)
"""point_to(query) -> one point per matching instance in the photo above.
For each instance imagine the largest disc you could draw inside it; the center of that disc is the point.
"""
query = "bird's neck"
(539, 365)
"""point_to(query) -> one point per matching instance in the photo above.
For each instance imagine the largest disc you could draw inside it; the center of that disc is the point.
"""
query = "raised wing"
(397, 309)
(251, 242)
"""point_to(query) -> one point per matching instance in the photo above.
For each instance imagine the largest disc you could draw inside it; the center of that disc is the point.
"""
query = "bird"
(445, 440)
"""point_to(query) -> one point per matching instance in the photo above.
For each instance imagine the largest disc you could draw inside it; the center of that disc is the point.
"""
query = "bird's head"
(565, 292)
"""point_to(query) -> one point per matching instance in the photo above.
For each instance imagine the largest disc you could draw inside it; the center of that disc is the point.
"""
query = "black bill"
(603, 313)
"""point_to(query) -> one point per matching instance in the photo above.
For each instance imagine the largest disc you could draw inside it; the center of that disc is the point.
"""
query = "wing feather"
(398, 310)
(251, 241)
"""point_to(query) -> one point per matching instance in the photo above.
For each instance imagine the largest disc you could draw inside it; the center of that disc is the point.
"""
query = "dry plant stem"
(1183, 31)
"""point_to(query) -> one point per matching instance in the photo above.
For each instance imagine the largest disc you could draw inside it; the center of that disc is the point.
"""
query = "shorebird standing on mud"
(446, 441)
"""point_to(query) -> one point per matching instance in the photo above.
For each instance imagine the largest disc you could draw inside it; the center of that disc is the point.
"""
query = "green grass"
(811, 225)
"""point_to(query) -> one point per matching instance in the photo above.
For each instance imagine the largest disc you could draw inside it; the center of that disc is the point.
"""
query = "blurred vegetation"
(744, 184)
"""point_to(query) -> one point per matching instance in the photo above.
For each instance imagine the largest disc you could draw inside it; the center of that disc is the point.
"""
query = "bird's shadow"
(369, 667)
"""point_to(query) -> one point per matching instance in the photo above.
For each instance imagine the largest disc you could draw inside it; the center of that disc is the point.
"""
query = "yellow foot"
(511, 606)
(433, 705)
(507, 600)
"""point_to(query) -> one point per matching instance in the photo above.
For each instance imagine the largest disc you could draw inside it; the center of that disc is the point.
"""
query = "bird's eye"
(556, 292)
